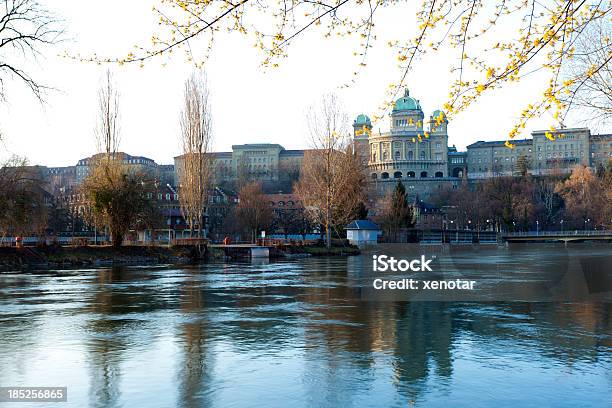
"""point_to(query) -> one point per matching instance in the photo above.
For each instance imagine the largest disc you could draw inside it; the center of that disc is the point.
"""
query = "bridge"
(562, 236)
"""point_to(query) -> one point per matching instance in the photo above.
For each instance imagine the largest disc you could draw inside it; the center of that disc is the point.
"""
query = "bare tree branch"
(25, 28)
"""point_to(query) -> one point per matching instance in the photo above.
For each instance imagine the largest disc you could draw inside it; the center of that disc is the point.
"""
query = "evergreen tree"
(401, 211)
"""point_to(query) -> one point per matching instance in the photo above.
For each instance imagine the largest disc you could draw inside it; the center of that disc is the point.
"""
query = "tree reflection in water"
(290, 334)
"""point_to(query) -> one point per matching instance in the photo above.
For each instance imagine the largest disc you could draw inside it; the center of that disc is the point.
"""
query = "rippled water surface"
(290, 334)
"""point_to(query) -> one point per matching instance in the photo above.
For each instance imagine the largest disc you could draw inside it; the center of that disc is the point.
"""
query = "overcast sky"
(249, 105)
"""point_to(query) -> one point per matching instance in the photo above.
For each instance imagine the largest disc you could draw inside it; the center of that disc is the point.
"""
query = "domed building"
(412, 151)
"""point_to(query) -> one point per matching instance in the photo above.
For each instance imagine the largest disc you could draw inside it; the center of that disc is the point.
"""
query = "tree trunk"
(327, 232)
(116, 238)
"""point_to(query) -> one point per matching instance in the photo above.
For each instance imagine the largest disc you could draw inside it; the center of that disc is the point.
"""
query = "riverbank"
(55, 256)
(61, 257)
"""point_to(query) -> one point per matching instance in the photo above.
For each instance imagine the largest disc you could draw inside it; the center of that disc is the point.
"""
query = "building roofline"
(491, 143)
(561, 130)
(257, 145)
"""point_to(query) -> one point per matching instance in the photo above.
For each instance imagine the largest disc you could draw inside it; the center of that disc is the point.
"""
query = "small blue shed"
(362, 233)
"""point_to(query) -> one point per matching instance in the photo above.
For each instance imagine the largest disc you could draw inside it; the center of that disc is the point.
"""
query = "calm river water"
(291, 334)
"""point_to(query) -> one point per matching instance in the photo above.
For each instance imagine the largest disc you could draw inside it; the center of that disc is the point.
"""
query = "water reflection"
(293, 333)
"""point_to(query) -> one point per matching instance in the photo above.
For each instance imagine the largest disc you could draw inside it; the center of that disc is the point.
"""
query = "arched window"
(410, 174)
(439, 174)
(423, 174)
(397, 174)
(384, 175)
(422, 154)
(410, 155)
(374, 176)
(397, 155)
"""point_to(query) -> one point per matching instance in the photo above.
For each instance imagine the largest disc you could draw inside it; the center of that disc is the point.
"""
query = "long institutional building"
(414, 150)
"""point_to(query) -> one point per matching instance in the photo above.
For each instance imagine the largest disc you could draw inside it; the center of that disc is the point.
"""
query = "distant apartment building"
(489, 159)
(540, 155)
(601, 149)
(270, 164)
(61, 178)
(136, 163)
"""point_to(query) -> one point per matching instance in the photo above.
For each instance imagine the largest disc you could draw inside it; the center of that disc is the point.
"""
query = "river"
(290, 334)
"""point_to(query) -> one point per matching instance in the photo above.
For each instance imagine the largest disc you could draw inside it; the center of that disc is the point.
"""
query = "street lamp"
(537, 227)
(561, 225)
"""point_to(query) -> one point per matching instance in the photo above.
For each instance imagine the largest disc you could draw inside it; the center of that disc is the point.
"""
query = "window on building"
(439, 174)
(374, 176)
(422, 155)
(384, 175)
(397, 174)
(410, 155)
(423, 174)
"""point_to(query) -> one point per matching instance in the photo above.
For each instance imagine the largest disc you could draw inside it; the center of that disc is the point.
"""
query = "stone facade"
(135, 163)
(412, 151)
(540, 155)
(263, 162)
(419, 155)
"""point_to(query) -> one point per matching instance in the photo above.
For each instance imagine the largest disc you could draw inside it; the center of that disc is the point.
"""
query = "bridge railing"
(566, 233)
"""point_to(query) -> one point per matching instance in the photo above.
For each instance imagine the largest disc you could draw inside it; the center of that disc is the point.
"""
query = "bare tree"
(107, 130)
(194, 174)
(116, 196)
(332, 177)
(22, 199)
(592, 91)
(253, 212)
(25, 27)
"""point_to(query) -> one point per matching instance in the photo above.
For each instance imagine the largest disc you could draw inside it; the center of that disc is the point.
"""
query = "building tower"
(362, 129)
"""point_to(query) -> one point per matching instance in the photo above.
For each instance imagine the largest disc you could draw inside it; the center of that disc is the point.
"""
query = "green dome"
(362, 120)
(437, 113)
(406, 102)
